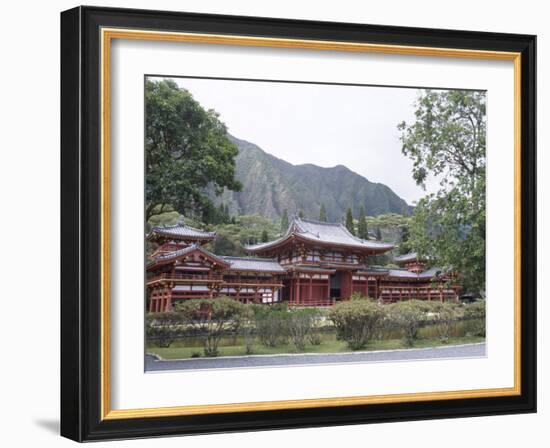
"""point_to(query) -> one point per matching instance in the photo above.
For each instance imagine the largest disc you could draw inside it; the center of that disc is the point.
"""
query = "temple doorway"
(336, 285)
(340, 285)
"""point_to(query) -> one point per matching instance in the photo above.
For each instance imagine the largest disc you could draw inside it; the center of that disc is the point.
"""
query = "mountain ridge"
(271, 185)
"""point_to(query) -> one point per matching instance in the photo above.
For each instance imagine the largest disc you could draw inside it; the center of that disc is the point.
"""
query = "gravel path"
(152, 363)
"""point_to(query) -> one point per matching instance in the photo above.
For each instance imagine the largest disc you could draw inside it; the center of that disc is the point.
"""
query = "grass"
(329, 345)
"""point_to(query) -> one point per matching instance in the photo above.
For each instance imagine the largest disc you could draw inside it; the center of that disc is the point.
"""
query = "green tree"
(447, 141)
(223, 214)
(213, 318)
(349, 221)
(240, 231)
(357, 321)
(378, 234)
(404, 243)
(265, 236)
(284, 221)
(186, 149)
(445, 318)
(162, 329)
(226, 244)
(389, 224)
(362, 226)
(323, 213)
(301, 214)
(475, 313)
(408, 316)
(209, 214)
(271, 323)
(300, 326)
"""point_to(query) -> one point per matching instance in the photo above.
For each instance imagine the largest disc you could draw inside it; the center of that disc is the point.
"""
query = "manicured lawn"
(178, 350)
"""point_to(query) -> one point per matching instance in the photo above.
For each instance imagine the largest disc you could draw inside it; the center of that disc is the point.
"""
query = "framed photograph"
(273, 223)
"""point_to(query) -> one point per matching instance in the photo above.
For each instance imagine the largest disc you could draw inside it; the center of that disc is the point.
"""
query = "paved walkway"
(152, 363)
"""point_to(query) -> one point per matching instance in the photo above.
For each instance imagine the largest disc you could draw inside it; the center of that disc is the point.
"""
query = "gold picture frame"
(108, 30)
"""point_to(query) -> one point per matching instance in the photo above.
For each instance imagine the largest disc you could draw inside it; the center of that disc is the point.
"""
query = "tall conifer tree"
(323, 213)
(349, 222)
(284, 221)
(362, 228)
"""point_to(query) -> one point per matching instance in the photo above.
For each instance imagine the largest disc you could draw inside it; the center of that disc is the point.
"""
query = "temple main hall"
(313, 264)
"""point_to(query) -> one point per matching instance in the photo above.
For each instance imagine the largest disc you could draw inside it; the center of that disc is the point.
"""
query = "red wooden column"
(290, 290)
(151, 300)
(310, 287)
(169, 298)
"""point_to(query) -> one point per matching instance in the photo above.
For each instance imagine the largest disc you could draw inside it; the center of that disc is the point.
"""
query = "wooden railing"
(393, 293)
(313, 302)
(179, 276)
(232, 284)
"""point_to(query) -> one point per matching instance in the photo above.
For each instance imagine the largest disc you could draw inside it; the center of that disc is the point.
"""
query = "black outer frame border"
(80, 224)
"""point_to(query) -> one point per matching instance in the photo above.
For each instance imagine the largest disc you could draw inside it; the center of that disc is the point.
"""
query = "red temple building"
(324, 262)
(312, 264)
(181, 268)
(414, 281)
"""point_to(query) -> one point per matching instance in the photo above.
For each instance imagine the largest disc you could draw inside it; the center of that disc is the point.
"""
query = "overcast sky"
(327, 125)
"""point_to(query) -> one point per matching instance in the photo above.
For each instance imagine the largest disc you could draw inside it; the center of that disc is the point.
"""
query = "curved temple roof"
(404, 274)
(254, 264)
(407, 258)
(324, 233)
(170, 256)
(180, 231)
(424, 275)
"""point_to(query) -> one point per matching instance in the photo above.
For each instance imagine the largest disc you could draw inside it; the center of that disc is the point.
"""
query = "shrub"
(247, 331)
(408, 316)
(315, 337)
(162, 329)
(446, 316)
(213, 318)
(428, 306)
(300, 326)
(356, 321)
(315, 334)
(384, 327)
(357, 296)
(271, 324)
(476, 312)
